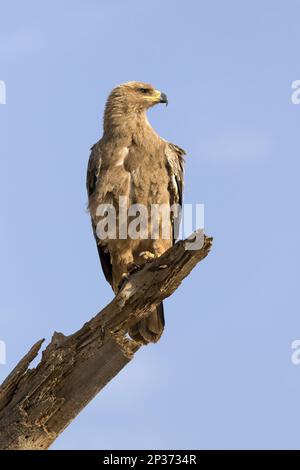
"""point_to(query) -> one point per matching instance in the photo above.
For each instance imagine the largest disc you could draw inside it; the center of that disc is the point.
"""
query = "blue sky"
(222, 376)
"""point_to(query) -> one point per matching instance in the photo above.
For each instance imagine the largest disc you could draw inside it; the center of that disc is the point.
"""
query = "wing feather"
(92, 179)
(175, 166)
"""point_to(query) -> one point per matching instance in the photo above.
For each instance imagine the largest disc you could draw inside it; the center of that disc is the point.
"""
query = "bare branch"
(37, 404)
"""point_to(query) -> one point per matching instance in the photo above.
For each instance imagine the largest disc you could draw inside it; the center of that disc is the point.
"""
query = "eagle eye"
(144, 90)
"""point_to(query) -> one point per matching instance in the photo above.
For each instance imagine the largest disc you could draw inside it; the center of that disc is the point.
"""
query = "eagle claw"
(147, 256)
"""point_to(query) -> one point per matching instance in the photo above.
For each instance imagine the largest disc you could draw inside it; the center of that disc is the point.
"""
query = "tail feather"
(149, 329)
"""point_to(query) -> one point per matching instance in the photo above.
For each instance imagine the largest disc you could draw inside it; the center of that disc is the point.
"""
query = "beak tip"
(164, 98)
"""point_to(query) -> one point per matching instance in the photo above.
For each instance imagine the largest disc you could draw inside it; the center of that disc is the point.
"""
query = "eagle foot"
(147, 256)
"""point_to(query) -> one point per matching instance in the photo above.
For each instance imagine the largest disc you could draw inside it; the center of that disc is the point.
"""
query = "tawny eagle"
(133, 162)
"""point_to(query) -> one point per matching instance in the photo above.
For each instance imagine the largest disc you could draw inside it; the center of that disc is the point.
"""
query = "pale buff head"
(129, 99)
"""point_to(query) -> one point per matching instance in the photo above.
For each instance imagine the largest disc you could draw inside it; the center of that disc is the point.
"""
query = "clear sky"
(222, 376)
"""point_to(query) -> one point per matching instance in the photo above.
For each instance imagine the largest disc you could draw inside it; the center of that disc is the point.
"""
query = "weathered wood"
(37, 404)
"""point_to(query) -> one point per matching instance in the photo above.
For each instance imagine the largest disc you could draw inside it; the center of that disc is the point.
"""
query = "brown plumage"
(132, 161)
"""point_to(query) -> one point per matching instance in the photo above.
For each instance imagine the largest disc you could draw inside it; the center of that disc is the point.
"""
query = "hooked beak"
(159, 97)
(163, 98)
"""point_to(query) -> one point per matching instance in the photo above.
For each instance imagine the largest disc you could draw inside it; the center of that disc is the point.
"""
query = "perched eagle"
(132, 161)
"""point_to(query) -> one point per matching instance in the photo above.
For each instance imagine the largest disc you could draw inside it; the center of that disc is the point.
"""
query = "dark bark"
(37, 404)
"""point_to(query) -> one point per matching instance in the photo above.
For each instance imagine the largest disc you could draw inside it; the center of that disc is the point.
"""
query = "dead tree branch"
(37, 404)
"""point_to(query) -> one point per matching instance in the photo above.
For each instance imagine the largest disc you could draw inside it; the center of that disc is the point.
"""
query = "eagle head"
(136, 96)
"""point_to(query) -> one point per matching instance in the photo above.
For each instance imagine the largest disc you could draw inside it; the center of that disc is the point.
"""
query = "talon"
(163, 266)
(147, 255)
